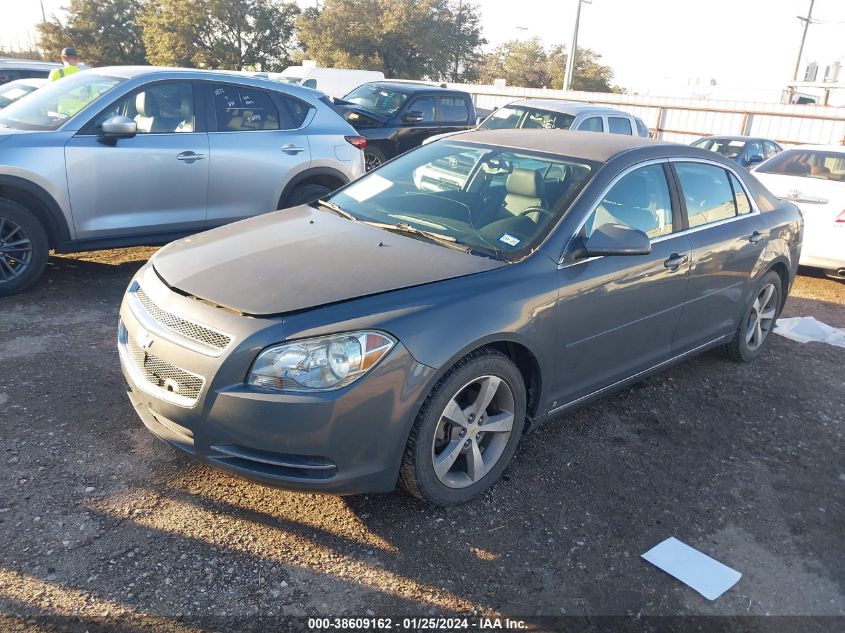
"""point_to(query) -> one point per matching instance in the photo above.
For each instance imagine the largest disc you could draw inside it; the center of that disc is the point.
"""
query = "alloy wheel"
(762, 317)
(15, 250)
(473, 432)
(371, 161)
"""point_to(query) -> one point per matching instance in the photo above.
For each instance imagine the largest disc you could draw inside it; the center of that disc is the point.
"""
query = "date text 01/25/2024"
(375, 623)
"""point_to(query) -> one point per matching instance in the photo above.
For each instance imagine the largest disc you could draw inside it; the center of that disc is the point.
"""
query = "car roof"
(11, 62)
(565, 107)
(591, 146)
(407, 86)
(132, 72)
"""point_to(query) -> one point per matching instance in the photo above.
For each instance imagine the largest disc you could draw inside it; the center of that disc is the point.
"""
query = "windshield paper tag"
(509, 239)
(368, 187)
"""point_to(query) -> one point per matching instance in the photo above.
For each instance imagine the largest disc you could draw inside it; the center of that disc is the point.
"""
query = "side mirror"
(412, 117)
(754, 158)
(117, 127)
(616, 239)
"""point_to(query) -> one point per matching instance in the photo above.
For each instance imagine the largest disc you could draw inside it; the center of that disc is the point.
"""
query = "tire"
(303, 194)
(373, 157)
(24, 248)
(742, 348)
(433, 438)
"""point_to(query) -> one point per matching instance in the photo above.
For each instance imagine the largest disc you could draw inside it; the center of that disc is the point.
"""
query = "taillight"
(358, 141)
(841, 217)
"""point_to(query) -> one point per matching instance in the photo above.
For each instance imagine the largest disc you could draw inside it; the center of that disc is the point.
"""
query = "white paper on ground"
(707, 576)
(806, 329)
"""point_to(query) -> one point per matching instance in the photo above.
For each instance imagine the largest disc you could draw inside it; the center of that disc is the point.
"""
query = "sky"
(646, 42)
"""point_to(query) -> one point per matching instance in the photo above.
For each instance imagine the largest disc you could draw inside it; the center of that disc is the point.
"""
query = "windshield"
(807, 163)
(489, 200)
(376, 98)
(52, 105)
(510, 117)
(727, 148)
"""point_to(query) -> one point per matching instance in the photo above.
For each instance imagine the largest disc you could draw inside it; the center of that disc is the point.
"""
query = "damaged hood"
(302, 258)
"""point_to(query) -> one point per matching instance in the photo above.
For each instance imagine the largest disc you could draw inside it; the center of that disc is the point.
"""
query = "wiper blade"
(337, 209)
(403, 227)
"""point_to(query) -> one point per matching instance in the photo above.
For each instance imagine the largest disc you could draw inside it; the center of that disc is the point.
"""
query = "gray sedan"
(412, 326)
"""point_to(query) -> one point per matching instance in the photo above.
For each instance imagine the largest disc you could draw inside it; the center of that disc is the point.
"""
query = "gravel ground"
(102, 523)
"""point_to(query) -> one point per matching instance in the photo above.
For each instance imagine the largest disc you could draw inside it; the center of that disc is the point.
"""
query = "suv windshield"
(510, 117)
(377, 98)
(52, 105)
(493, 201)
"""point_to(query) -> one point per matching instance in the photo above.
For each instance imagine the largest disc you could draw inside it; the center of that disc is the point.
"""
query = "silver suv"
(138, 155)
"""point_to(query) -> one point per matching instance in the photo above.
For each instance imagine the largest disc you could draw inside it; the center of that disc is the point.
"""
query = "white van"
(335, 82)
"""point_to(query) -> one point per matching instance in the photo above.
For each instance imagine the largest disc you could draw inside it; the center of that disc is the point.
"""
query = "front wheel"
(758, 320)
(467, 431)
(24, 248)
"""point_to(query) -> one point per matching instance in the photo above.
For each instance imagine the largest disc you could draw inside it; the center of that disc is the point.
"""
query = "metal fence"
(684, 120)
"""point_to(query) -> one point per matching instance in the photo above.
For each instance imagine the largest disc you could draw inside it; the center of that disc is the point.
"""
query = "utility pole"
(43, 14)
(806, 22)
(573, 51)
(458, 41)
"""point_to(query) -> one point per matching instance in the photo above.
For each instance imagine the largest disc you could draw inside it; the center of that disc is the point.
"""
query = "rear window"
(808, 164)
(453, 109)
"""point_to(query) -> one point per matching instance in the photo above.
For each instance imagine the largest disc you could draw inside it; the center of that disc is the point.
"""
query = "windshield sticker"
(368, 187)
(509, 239)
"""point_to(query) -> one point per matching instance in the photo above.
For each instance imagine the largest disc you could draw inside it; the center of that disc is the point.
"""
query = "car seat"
(148, 112)
(525, 188)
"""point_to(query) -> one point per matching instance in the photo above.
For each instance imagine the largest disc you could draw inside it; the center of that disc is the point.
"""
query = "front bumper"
(347, 441)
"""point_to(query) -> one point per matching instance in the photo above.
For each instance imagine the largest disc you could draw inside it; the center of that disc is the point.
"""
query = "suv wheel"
(467, 431)
(303, 194)
(373, 157)
(23, 248)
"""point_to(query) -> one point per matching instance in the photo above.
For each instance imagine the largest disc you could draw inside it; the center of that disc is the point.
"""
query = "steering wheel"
(533, 209)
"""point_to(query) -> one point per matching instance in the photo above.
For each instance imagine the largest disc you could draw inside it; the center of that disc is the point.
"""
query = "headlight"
(326, 362)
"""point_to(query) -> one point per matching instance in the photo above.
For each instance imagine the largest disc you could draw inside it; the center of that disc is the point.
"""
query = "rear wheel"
(467, 431)
(758, 320)
(23, 248)
(373, 157)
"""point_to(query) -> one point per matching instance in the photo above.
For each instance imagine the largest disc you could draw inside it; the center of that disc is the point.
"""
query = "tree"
(527, 63)
(104, 32)
(411, 39)
(226, 34)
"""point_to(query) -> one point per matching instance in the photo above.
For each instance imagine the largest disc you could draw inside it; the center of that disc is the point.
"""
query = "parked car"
(746, 150)
(17, 89)
(389, 333)
(335, 82)
(813, 177)
(11, 69)
(396, 116)
(141, 155)
(562, 115)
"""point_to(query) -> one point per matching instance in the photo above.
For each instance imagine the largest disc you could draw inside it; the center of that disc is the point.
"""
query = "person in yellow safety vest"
(70, 59)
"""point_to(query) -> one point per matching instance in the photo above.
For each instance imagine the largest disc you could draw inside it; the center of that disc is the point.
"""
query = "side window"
(453, 109)
(424, 105)
(296, 110)
(243, 109)
(741, 198)
(618, 125)
(640, 200)
(642, 130)
(159, 109)
(707, 192)
(771, 149)
(593, 124)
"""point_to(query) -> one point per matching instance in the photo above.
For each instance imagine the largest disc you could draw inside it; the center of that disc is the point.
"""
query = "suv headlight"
(325, 362)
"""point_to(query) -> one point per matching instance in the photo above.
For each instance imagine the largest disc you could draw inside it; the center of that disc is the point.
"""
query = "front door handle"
(189, 157)
(292, 149)
(675, 261)
(755, 237)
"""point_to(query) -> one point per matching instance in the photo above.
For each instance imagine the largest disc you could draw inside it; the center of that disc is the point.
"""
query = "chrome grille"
(163, 375)
(188, 329)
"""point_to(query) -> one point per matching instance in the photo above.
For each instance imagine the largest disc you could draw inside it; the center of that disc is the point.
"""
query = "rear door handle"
(292, 149)
(189, 157)
(755, 237)
(675, 261)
